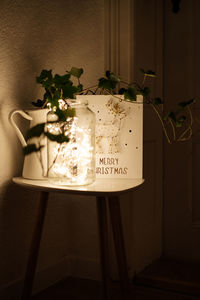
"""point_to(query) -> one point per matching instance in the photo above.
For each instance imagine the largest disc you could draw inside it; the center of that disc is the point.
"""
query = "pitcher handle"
(18, 132)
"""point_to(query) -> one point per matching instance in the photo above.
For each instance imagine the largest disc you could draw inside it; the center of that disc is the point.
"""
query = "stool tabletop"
(99, 187)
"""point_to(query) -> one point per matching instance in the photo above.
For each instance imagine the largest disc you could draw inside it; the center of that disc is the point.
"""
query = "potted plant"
(62, 87)
(59, 88)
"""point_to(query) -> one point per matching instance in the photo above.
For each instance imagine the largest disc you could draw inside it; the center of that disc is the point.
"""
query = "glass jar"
(72, 162)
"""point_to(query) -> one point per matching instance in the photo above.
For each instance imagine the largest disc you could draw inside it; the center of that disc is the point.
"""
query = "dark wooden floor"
(75, 289)
(170, 275)
(72, 288)
(163, 280)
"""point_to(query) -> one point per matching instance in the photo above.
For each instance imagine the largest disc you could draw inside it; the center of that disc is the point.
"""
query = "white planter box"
(119, 136)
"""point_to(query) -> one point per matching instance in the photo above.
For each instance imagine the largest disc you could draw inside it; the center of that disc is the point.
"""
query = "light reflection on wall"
(29, 44)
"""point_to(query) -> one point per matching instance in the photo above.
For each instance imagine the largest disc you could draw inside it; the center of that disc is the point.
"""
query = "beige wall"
(35, 35)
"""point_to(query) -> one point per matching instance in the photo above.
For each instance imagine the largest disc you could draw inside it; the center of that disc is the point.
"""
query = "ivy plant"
(58, 87)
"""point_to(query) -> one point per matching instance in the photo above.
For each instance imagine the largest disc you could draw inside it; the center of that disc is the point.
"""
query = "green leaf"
(47, 95)
(112, 76)
(122, 91)
(47, 83)
(76, 72)
(145, 91)
(35, 131)
(149, 73)
(180, 121)
(108, 73)
(56, 96)
(31, 148)
(186, 103)
(61, 80)
(59, 138)
(172, 116)
(130, 94)
(109, 82)
(69, 91)
(38, 103)
(64, 114)
(158, 101)
(45, 74)
(70, 112)
(106, 84)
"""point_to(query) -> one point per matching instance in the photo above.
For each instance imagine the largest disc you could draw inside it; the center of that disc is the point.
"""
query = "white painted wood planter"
(119, 136)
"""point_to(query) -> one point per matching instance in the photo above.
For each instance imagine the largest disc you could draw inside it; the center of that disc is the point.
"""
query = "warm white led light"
(73, 162)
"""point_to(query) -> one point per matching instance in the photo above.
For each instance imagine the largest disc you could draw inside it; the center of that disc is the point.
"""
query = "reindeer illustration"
(110, 128)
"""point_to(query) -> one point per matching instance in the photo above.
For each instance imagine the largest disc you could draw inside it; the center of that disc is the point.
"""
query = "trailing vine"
(59, 87)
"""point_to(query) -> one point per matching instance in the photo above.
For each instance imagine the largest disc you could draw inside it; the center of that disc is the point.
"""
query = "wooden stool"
(106, 192)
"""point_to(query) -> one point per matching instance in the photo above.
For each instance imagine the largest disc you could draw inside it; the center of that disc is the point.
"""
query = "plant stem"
(162, 123)
(173, 128)
(132, 83)
(39, 157)
(89, 88)
(181, 137)
(144, 78)
(54, 159)
(45, 103)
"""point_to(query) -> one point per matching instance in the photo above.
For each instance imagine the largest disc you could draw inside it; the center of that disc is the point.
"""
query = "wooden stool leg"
(115, 216)
(104, 248)
(34, 249)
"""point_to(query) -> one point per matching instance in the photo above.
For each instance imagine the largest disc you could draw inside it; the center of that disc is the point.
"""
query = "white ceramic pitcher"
(35, 164)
